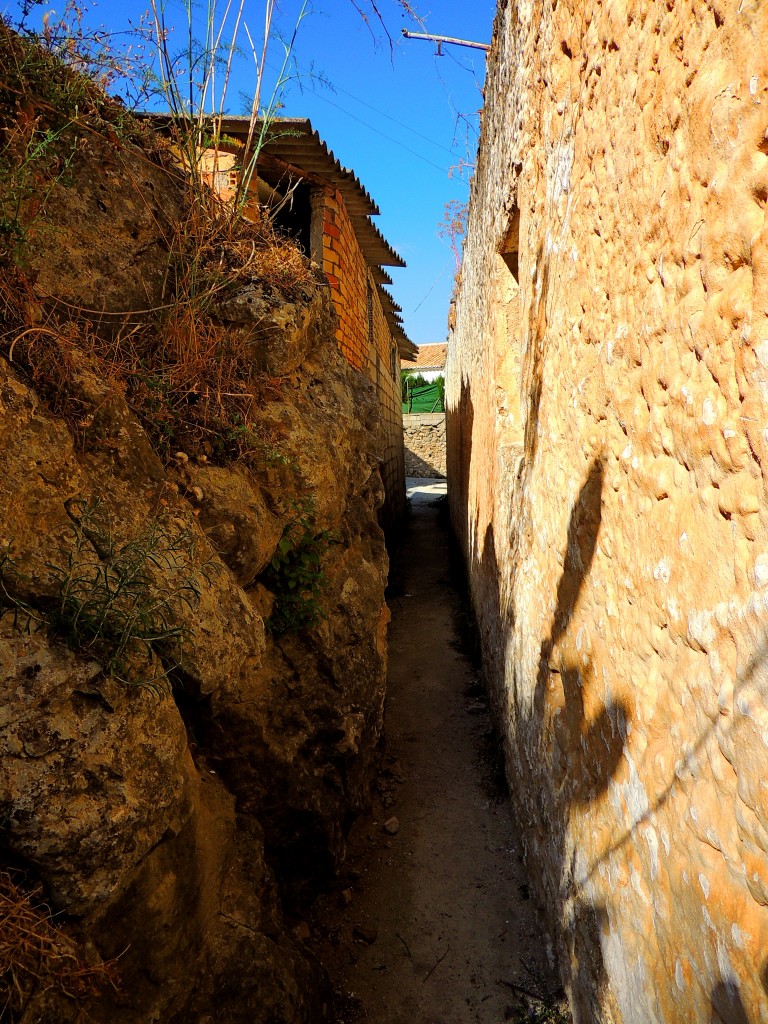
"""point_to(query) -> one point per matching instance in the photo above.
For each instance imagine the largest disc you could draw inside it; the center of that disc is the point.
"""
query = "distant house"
(327, 210)
(423, 404)
(429, 361)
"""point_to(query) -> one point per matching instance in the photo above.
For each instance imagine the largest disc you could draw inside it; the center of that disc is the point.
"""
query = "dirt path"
(432, 923)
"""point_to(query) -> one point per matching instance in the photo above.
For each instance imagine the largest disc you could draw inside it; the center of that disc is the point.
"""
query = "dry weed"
(190, 379)
(36, 955)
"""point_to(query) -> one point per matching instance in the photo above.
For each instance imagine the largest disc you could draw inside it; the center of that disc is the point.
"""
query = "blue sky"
(426, 106)
(404, 119)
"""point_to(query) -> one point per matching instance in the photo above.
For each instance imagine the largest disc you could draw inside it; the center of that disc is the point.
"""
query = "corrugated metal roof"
(405, 347)
(295, 142)
(387, 300)
(392, 311)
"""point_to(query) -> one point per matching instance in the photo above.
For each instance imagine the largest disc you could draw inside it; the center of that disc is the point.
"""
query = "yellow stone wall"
(608, 460)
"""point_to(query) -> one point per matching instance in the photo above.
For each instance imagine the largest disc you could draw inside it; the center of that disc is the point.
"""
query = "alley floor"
(431, 922)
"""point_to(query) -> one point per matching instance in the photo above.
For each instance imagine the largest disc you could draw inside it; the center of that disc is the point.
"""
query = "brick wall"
(347, 273)
(383, 368)
(365, 339)
(363, 334)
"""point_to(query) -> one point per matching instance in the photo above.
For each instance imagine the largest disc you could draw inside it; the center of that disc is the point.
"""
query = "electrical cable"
(394, 120)
(432, 286)
(389, 138)
(396, 142)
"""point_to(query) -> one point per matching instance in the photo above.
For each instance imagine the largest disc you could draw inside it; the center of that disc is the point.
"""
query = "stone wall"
(424, 444)
(607, 409)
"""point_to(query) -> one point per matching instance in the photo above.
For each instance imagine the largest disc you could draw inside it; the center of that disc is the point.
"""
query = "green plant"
(534, 1009)
(538, 1012)
(11, 583)
(33, 158)
(295, 575)
(195, 81)
(439, 383)
(48, 109)
(119, 603)
(274, 458)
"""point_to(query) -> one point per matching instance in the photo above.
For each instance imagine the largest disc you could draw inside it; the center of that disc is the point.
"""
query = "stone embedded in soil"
(365, 933)
(392, 826)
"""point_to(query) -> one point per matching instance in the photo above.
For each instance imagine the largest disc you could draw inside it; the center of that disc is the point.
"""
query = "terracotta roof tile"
(428, 357)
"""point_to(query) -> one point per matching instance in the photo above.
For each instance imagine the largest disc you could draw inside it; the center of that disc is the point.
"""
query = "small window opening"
(293, 212)
(510, 245)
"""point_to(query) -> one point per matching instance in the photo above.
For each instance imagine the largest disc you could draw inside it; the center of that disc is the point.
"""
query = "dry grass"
(36, 955)
(189, 378)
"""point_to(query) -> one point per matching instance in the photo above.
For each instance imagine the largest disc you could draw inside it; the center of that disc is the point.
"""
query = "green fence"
(424, 397)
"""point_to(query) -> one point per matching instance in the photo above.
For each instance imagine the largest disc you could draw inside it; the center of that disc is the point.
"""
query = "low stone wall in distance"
(424, 444)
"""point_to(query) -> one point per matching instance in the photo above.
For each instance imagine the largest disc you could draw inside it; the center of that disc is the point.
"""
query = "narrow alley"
(436, 925)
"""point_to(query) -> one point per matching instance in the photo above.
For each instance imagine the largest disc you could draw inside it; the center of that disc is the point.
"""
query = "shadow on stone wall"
(418, 467)
(459, 420)
(566, 761)
(583, 754)
(727, 1004)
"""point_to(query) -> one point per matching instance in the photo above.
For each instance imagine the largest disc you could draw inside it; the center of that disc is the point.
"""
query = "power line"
(382, 113)
(394, 120)
(395, 142)
(432, 286)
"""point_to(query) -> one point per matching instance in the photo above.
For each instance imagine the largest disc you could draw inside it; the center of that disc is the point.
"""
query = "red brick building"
(326, 208)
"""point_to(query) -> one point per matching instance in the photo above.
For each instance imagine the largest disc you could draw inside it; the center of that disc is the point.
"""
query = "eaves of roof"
(388, 302)
(293, 141)
(430, 357)
(405, 347)
(380, 276)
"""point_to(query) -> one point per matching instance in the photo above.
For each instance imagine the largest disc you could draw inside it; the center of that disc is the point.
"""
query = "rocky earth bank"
(173, 825)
